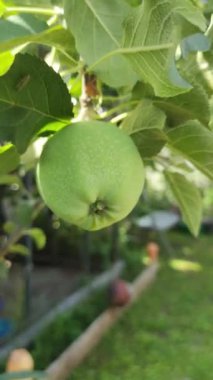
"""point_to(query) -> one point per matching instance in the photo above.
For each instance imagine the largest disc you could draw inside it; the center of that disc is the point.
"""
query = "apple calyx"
(98, 207)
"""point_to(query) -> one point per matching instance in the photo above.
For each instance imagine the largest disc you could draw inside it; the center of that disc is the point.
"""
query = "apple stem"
(88, 92)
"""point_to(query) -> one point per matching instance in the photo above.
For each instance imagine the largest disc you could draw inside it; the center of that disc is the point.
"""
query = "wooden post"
(62, 367)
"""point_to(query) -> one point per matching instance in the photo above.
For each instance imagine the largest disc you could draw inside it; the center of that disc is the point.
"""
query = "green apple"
(90, 174)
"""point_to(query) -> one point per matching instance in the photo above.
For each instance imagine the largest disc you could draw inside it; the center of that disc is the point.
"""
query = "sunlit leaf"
(150, 40)
(195, 143)
(9, 227)
(190, 12)
(185, 265)
(97, 28)
(2, 8)
(37, 235)
(149, 141)
(144, 116)
(19, 26)
(20, 249)
(186, 106)
(9, 179)
(9, 158)
(24, 29)
(144, 124)
(6, 60)
(188, 198)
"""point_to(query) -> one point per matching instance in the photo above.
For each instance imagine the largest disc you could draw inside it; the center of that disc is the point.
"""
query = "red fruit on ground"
(119, 293)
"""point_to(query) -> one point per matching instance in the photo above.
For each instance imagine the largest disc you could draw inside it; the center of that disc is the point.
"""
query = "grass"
(167, 335)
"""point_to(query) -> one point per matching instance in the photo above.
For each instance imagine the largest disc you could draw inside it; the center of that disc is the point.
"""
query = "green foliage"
(145, 124)
(155, 62)
(10, 179)
(37, 235)
(188, 198)
(186, 106)
(149, 142)
(97, 28)
(195, 144)
(21, 215)
(2, 8)
(28, 100)
(17, 27)
(20, 249)
(9, 159)
(26, 29)
(156, 55)
(6, 60)
(133, 257)
(144, 116)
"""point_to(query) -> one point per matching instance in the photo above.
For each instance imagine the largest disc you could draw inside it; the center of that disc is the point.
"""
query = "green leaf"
(188, 198)
(2, 8)
(6, 60)
(61, 39)
(9, 158)
(144, 124)
(97, 28)
(195, 143)
(9, 227)
(209, 31)
(57, 37)
(194, 69)
(19, 26)
(190, 12)
(149, 141)
(208, 6)
(9, 179)
(23, 211)
(144, 116)
(51, 128)
(38, 236)
(142, 91)
(150, 41)
(31, 95)
(186, 106)
(19, 249)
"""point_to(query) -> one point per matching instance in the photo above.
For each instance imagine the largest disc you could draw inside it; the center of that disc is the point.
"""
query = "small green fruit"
(90, 174)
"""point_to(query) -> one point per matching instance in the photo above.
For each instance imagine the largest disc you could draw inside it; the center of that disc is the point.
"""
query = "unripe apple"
(90, 174)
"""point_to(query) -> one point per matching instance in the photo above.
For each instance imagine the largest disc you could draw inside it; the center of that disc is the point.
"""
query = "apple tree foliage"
(146, 66)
